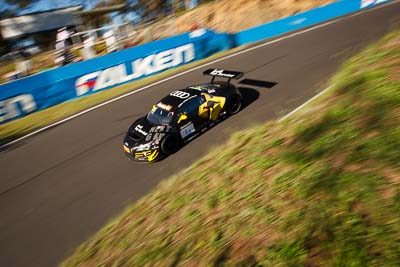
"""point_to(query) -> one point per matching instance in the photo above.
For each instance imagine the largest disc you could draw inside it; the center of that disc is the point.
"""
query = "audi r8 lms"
(182, 115)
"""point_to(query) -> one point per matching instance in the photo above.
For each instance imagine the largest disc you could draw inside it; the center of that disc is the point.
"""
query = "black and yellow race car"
(181, 116)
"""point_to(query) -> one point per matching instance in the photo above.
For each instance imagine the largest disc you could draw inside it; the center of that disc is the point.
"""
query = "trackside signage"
(134, 70)
(368, 3)
(48, 88)
(45, 89)
(16, 106)
(304, 19)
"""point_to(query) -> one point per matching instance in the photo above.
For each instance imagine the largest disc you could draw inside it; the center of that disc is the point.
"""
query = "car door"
(192, 122)
(212, 107)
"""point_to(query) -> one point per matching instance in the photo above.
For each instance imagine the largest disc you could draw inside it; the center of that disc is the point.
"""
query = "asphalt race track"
(59, 187)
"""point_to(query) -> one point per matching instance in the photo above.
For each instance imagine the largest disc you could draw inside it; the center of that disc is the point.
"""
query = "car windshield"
(159, 116)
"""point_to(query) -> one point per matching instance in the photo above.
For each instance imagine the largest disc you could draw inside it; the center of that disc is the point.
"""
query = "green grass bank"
(321, 188)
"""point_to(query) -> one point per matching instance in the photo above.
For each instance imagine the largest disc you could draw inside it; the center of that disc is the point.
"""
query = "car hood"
(139, 130)
(142, 132)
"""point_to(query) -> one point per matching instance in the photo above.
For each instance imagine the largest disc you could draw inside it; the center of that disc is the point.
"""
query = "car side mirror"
(182, 118)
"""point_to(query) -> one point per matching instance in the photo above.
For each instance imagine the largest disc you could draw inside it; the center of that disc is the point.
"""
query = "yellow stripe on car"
(153, 155)
(142, 154)
(148, 153)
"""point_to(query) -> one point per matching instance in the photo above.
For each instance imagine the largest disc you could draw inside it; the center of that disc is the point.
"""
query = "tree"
(6, 13)
(96, 19)
(27, 6)
(4, 46)
(21, 4)
(146, 9)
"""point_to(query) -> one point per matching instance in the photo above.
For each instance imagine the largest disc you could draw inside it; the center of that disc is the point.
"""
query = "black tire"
(234, 104)
(170, 144)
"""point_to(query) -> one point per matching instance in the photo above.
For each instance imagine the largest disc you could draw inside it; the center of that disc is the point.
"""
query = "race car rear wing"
(224, 74)
(229, 74)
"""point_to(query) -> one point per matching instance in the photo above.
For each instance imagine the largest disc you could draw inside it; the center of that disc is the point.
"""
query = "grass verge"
(321, 188)
(15, 129)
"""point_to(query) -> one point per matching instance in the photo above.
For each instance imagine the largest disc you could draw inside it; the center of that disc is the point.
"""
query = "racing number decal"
(187, 130)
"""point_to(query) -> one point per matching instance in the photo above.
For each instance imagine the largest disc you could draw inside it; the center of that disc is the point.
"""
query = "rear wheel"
(170, 144)
(234, 104)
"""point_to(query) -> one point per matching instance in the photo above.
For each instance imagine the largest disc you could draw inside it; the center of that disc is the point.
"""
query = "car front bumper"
(142, 156)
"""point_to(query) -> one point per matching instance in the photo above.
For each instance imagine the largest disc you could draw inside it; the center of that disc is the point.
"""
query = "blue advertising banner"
(302, 20)
(49, 88)
(25, 96)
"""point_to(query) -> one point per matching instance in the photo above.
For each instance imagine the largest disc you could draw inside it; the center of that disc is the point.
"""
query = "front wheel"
(234, 104)
(170, 144)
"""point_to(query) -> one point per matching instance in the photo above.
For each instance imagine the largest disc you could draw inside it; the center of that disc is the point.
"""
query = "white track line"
(305, 104)
(190, 70)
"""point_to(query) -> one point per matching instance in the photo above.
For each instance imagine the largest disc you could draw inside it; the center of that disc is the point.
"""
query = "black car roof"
(175, 99)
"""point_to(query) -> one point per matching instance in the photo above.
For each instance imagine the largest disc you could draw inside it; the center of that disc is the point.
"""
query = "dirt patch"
(395, 42)
(237, 15)
(234, 15)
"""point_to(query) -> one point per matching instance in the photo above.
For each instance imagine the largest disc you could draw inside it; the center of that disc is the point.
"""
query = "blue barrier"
(49, 88)
(22, 97)
(302, 20)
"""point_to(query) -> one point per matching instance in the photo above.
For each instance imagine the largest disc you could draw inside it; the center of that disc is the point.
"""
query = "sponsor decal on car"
(139, 128)
(221, 73)
(164, 106)
(142, 147)
(157, 133)
(187, 129)
(180, 94)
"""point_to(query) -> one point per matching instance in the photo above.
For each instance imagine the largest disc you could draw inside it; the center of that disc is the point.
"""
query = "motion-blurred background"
(41, 34)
